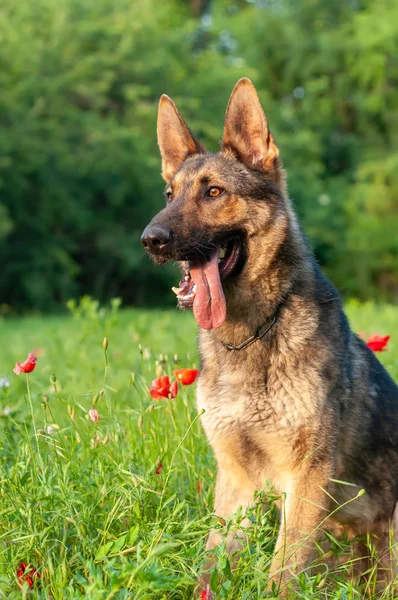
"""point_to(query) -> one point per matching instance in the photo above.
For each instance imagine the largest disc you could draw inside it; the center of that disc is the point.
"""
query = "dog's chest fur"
(260, 411)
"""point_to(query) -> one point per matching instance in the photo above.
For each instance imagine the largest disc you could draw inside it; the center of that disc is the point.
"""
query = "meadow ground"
(120, 508)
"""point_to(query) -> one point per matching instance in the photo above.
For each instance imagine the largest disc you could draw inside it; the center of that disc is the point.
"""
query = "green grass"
(84, 504)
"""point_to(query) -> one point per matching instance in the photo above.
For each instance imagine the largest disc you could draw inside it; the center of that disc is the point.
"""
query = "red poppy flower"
(159, 469)
(26, 367)
(162, 388)
(378, 343)
(186, 376)
(27, 574)
(206, 594)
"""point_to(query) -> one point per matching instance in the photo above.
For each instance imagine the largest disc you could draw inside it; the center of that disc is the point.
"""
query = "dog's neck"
(254, 302)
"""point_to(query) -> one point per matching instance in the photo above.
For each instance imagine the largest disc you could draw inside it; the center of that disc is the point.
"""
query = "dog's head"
(217, 204)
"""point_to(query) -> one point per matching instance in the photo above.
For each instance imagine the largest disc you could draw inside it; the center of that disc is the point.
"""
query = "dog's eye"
(213, 192)
(169, 196)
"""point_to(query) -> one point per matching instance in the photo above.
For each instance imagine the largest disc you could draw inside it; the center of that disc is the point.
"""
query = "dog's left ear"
(246, 131)
(175, 141)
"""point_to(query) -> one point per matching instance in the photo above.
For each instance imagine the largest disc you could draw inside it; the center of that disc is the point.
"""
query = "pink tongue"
(209, 305)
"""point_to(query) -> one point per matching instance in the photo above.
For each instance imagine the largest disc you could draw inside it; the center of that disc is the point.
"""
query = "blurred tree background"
(79, 165)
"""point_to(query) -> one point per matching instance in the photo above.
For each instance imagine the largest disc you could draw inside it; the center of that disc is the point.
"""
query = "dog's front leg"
(305, 506)
(233, 491)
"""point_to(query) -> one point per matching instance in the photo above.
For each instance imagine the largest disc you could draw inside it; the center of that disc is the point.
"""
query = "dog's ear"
(246, 131)
(175, 140)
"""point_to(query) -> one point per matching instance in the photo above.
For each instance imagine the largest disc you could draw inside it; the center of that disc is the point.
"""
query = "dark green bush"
(79, 165)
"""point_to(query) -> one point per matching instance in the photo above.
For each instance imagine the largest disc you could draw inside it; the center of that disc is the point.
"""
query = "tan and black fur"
(307, 404)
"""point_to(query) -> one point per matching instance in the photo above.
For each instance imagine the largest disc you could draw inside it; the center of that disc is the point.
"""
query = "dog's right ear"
(175, 140)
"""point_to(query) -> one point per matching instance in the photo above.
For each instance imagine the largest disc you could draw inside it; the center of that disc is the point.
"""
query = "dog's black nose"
(155, 238)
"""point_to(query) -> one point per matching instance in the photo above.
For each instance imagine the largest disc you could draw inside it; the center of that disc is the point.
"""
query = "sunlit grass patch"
(117, 503)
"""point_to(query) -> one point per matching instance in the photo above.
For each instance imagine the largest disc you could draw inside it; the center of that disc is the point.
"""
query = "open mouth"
(200, 287)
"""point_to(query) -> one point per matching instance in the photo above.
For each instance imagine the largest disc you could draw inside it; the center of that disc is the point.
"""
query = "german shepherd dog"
(291, 395)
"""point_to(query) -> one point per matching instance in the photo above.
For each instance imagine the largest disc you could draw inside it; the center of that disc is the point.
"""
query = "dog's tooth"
(222, 252)
(177, 290)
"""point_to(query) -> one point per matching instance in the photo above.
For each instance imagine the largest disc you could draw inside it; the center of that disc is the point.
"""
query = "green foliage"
(81, 500)
(79, 165)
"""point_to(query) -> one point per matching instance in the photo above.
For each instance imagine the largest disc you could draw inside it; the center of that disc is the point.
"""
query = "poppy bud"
(95, 399)
(132, 378)
(53, 378)
(95, 440)
(101, 392)
(105, 344)
(93, 415)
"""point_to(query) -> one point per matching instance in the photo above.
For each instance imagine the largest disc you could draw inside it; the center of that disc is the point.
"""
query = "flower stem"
(31, 412)
(106, 367)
